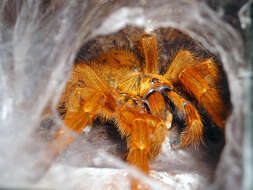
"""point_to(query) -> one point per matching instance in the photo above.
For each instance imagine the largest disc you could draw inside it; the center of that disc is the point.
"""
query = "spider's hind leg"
(83, 106)
(83, 103)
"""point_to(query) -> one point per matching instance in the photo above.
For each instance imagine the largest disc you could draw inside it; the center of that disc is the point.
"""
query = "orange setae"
(120, 86)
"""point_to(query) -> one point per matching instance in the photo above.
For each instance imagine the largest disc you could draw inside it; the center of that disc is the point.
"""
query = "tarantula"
(120, 86)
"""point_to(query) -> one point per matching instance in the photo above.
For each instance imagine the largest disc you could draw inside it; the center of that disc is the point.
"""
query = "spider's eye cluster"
(154, 80)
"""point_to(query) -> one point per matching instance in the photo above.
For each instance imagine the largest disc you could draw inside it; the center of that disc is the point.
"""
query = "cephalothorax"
(119, 86)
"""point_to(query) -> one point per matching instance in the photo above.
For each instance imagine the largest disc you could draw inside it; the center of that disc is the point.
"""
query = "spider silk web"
(38, 44)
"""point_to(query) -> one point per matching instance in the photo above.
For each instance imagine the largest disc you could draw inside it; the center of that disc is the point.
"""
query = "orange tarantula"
(121, 86)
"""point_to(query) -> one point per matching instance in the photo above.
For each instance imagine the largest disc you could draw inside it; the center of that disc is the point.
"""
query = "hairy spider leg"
(118, 58)
(77, 117)
(193, 132)
(157, 106)
(149, 50)
(132, 125)
(206, 96)
(209, 71)
(183, 59)
(185, 69)
(83, 105)
(139, 128)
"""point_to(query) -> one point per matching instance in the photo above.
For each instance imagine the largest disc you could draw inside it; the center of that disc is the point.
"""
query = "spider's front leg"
(208, 97)
(200, 80)
(193, 132)
(157, 106)
(140, 128)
